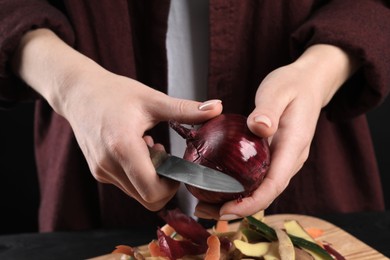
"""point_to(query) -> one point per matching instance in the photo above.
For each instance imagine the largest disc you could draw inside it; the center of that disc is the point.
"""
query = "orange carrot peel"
(214, 248)
(123, 249)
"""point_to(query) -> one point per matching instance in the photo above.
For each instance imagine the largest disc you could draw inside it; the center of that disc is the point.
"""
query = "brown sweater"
(248, 39)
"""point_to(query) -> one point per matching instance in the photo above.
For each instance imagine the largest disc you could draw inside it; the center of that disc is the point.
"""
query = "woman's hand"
(288, 104)
(110, 120)
(108, 113)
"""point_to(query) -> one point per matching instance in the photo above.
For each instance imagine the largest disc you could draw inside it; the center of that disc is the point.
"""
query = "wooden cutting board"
(344, 243)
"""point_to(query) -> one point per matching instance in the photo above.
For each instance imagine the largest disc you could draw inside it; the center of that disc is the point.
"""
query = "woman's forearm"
(50, 66)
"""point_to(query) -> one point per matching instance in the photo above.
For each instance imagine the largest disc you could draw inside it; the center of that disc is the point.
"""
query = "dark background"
(19, 194)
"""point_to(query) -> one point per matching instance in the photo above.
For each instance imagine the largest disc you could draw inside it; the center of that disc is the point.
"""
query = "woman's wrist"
(331, 66)
(51, 67)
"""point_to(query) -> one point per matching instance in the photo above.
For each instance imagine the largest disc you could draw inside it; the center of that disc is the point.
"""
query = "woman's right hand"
(109, 122)
(108, 113)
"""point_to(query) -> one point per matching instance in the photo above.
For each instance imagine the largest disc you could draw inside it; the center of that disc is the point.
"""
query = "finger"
(116, 176)
(207, 211)
(289, 152)
(187, 111)
(273, 185)
(260, 199)
(126, 186)
(148, 140)
(270, 105)
(142, 175)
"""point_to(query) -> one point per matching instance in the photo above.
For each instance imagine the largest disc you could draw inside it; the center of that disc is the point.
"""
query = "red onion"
(226, 144)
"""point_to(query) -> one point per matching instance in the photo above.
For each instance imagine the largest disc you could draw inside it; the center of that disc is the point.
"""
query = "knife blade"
(198, 175)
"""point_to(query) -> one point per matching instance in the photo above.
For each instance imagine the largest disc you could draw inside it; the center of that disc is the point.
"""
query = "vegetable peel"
(252, 238)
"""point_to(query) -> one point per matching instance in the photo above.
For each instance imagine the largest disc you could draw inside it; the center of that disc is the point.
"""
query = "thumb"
(261, 123)
(190, 112)
(265, 118)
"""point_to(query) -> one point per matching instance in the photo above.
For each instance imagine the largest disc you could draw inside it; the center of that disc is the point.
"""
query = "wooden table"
(357, 236)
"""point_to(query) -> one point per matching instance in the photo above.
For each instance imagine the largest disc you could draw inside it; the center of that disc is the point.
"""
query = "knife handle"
(157, 156)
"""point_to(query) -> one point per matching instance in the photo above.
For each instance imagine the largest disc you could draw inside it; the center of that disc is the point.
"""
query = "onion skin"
(226, 144)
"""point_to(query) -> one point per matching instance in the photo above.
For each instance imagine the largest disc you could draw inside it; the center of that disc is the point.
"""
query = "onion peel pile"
(252, 239)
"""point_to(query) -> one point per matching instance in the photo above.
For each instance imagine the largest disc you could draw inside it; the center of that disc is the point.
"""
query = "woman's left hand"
(288, 104)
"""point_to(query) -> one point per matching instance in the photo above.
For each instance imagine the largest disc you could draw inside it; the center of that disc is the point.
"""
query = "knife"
(193, 174)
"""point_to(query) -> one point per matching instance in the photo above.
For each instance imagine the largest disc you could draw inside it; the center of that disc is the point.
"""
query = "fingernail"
(263, 120)
(229, 217)
(209, 104)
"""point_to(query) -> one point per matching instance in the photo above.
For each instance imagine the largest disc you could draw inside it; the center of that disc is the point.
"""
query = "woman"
(304, 72)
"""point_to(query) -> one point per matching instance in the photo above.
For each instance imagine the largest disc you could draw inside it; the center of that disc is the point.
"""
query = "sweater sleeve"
(16, 18)
(362, 28)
